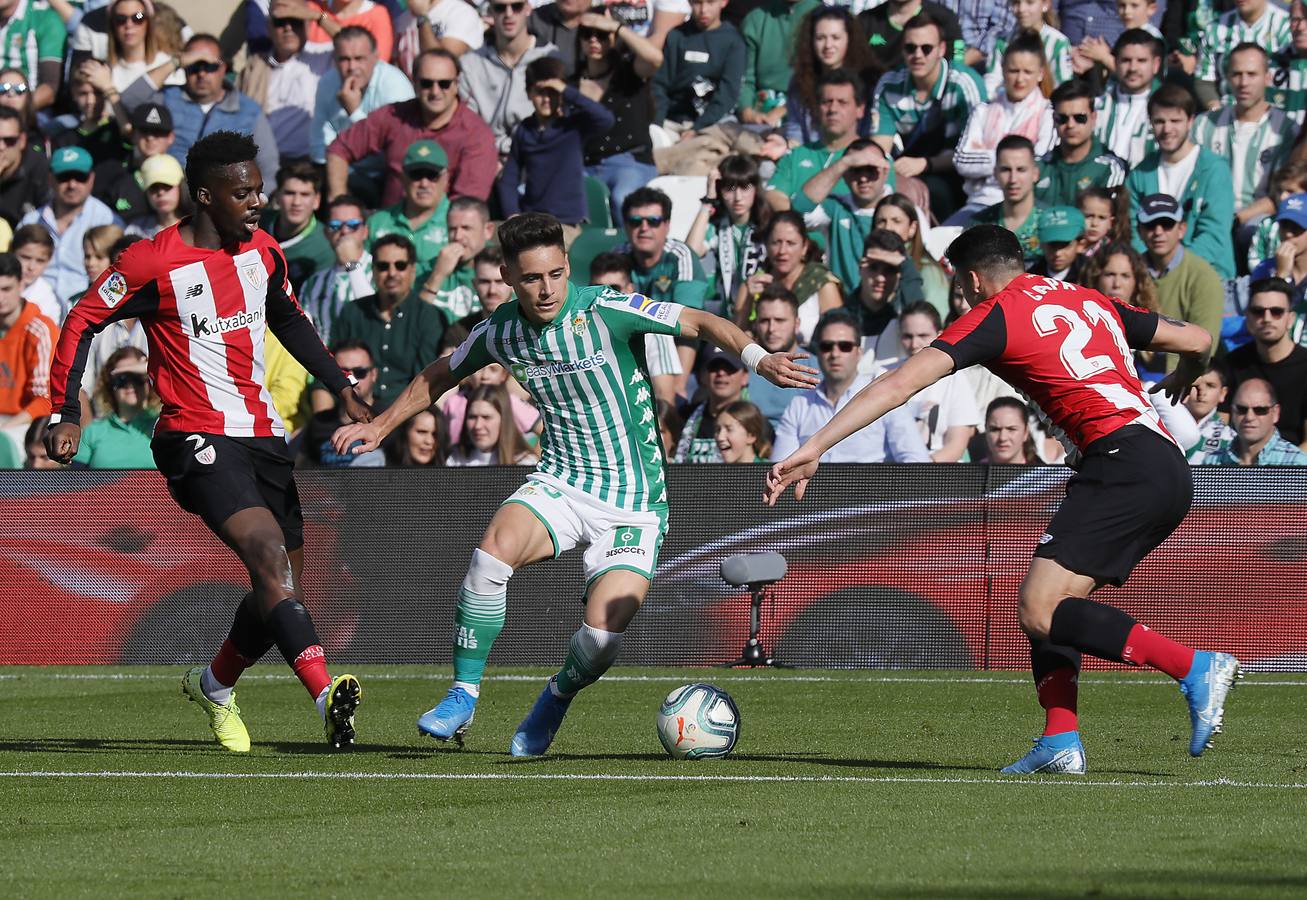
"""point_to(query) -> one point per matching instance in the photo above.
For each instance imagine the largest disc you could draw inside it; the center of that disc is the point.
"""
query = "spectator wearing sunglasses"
(421, 216)
(1272, 355)
(120, 439)
(204, 104)
(1079, 160)
(493, 80)
(284, 81)
(71, 211)
(354, 357)
(1256, 411)
(438, 114)
(358, 84)
(328, 291)
(33, 38)
(547, 158)
(1188, 288)
(892, 438)
(402, 333)
(24, 173)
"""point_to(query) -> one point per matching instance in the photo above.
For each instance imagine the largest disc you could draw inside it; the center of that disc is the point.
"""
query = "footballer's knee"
(1036, 618)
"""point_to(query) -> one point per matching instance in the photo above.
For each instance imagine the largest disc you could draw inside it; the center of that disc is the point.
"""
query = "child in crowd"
(1107, 217)
(34, 248)
(1061, 240)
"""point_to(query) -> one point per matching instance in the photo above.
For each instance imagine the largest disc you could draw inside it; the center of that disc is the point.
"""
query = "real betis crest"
(663, 283)
(578, 324)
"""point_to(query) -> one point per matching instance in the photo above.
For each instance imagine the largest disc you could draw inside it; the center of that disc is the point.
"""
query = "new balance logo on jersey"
(194, 291)
(201, 327)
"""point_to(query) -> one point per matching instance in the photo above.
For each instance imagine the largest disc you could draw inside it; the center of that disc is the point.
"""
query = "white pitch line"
(597, 776)
(709, 675)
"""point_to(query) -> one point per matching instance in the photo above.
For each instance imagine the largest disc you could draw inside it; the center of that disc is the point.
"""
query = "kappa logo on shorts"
(627, 540)
(206, 454)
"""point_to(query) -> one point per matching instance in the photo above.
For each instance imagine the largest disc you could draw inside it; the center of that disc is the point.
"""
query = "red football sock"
(311, 669)
(1144, 647)
(228, 665)
(1057, 694)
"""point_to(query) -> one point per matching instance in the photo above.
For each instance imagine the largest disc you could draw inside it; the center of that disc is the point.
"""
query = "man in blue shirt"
(1255, 413)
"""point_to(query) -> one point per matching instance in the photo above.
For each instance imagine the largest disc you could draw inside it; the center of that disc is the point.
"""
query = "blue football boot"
(537, 730)
(451, 718)
(1210, 679)
(1053, 754)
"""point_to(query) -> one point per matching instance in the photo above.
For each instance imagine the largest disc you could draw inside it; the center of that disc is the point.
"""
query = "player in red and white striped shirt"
(207, 290)
(1070, 349)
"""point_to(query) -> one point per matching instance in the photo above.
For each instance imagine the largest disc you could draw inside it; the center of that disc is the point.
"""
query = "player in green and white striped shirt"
(1259, 22)
(579, 352)
(1289, 90)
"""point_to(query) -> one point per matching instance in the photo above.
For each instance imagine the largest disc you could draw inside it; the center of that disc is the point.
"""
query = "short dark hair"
(490, 255)
(777, 293)
(863, 144)
(544, 68)
(924, 19)
(1074, 89)
(837, 316)
(217, 151)
(347, 200)
(527, 231)
(10, 266)
(120, 246)
(1137, 37)
(1015, 142)
(466, 203)
(12, 115)
(204, 38)
(1272, 286)
(1027, 41)
(31, 233)
(923, 308)
(1217, 367)
(1172, 96)
(351, 344)
(353, 33)
(611, 261)
(986, 249)
(647, 196)
(1244, 47)
(884, 239)
(839, 77)
(396, 240)
(300, 170)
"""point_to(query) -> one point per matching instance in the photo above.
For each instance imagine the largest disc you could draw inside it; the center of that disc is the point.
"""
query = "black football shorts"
(215, 476)
(1130, 491)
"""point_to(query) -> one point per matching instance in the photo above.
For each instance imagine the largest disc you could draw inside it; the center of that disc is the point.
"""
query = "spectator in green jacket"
(1079, 160)
(769, 32)
(1198, 178)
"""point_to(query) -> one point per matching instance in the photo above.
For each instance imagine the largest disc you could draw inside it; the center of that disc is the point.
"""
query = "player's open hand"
(781, 369)
(796, 469)
(355, 408)
(62, 440)
(357, 438)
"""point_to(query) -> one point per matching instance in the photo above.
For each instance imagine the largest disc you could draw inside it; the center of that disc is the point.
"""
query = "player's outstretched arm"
(887, 392)
(429, 385)
(781, 369)
(1193, 343)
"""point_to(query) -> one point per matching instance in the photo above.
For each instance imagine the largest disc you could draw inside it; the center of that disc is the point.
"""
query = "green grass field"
(843, 784)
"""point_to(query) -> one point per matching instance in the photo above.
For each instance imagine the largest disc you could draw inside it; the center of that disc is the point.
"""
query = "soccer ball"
(698, 721)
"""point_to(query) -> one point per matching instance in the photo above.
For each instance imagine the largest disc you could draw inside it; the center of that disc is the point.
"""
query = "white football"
(698, 721)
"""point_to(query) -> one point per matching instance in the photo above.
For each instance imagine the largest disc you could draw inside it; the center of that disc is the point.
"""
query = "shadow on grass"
(807, 759)
(174, 745)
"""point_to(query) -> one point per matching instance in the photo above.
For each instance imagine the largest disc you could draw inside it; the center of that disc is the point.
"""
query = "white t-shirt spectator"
(948, 403)
(41, 292)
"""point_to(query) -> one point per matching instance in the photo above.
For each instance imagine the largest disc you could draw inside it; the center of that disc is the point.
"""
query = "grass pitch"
(843, 784)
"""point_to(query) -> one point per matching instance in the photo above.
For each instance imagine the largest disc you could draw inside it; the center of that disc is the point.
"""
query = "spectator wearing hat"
(548, 158)
(358, 84)
(1273, 355)
(70, 212)
(893, 437)
(1188, 288)
(24, 173)
(421, 216)
(724, 380)
(294, 223)
(1290, 259)
(436, 114)
(1061, 230)
(118, 182)
(1194, 175)
(204, 104)
(162, 177)
(284, 81)
(1079, 160)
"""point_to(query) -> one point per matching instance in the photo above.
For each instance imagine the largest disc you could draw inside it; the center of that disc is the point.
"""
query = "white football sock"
(322, 702)
(473, 689)
(215, 691)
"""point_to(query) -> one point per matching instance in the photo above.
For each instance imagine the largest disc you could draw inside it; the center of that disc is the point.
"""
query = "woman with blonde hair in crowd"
(897, 213)
(743, 433)
(120, 439)
(793, 261)
(134, 46)
(490, 436)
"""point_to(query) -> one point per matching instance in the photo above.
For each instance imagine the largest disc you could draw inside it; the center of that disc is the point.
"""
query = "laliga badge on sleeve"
(113, 289)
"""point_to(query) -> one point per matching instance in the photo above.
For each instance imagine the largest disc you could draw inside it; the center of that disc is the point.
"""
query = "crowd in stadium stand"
(797, 167)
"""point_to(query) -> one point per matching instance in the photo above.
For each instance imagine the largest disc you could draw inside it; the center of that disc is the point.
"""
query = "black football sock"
(1094, 628)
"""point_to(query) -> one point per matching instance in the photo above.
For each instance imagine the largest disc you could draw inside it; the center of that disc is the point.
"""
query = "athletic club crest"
(255, 274)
